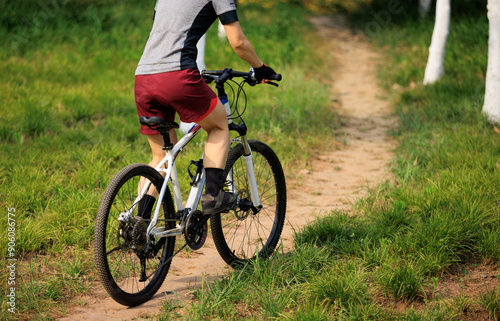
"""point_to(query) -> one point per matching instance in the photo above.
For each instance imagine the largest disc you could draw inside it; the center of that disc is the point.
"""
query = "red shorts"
(182, 91)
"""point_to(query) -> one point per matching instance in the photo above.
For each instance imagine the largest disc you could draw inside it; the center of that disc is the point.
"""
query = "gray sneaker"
(217, 204)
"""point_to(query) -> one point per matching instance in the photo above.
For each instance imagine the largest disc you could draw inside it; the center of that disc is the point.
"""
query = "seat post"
(166, 139)
(161, 125)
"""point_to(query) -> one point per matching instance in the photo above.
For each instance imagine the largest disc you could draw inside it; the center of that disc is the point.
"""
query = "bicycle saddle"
(158, 123)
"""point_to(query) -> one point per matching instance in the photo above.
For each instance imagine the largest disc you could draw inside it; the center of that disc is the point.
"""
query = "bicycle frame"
(197, 189)
(171, 175)
(134, 252)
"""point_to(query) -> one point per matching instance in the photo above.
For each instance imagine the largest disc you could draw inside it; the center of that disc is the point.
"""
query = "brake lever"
(272, 83)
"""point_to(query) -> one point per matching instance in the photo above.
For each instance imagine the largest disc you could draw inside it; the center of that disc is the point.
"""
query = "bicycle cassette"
(139, 239)
(196, 229)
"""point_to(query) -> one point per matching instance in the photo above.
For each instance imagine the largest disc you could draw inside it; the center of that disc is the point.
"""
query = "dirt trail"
(338, 178)
(335, 181)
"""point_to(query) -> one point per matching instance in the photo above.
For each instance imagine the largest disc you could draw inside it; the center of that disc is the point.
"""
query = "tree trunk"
(424, 7)
(492, 97)
(221, 32)
(434, 69)
(200, 59)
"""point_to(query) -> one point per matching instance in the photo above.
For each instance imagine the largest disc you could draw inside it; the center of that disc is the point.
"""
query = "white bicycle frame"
(197, 189)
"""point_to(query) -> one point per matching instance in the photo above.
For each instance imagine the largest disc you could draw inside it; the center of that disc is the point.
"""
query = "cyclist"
(168, 81)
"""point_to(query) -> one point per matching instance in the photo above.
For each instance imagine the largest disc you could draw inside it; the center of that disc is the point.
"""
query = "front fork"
(252, 180)
(247, 156)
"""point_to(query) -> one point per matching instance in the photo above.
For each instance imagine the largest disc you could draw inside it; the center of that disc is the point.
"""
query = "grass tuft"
(491, 301)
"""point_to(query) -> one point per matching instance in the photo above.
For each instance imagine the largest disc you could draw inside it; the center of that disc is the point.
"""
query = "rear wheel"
(245, 232)
(130, 267)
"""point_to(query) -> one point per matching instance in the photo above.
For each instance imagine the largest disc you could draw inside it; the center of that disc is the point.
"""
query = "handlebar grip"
(276, 77)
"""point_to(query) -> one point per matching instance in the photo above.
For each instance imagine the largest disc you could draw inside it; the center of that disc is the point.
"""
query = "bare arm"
(240, 44)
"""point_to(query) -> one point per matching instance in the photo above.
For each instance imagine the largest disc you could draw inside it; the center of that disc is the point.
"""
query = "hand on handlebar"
(221, 76)
(265, 74)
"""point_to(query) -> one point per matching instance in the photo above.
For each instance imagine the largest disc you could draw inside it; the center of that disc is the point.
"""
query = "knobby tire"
(117, 259)
(241, 235)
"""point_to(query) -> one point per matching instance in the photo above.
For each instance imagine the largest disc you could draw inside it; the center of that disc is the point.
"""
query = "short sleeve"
(225, 10)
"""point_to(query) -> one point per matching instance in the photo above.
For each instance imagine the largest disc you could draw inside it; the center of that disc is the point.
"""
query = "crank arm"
(201, 222)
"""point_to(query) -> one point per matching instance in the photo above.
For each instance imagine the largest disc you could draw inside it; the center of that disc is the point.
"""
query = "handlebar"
(221, 76)
(276, 77)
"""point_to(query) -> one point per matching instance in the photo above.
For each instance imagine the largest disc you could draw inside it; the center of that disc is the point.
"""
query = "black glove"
(264, 72)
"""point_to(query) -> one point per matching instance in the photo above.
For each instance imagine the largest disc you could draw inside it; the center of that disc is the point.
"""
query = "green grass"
(491, 301)
(69, 122)
(441, 214)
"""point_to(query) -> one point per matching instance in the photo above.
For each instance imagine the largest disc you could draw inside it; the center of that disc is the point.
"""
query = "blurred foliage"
(15, 13)
(334, 6)
(314, 6)
(364, 9)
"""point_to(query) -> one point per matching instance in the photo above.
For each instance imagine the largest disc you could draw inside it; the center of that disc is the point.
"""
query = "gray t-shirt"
(177, 27)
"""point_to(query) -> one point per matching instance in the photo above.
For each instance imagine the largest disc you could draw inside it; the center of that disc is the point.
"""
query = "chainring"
(196, 230)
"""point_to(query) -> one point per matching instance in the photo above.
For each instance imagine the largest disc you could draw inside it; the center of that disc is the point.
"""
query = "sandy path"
(341, 176)
(337, 178)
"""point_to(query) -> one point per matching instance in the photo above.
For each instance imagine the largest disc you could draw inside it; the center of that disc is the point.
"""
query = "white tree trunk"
(492, 97)
(200, 59)
(221, 31)
(424, 6)
(434, 69)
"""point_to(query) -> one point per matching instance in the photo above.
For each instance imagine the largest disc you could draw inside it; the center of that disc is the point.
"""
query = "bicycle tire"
(240, 235)
(117, 258)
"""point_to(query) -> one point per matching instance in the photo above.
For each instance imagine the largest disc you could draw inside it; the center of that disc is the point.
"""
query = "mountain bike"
(134, 248)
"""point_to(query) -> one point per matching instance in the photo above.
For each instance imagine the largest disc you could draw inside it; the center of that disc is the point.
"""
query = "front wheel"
(245, 232)
(130, 267)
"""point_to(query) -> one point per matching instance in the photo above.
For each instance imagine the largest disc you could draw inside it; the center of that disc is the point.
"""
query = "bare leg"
(216, 147)
(146, 204)
(156, 143)
(214, 159)
(215, 199)
(215, 124)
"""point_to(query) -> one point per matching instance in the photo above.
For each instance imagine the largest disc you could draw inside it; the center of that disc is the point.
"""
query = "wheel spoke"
(114, 249)
(241, 235)
(120, 268)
